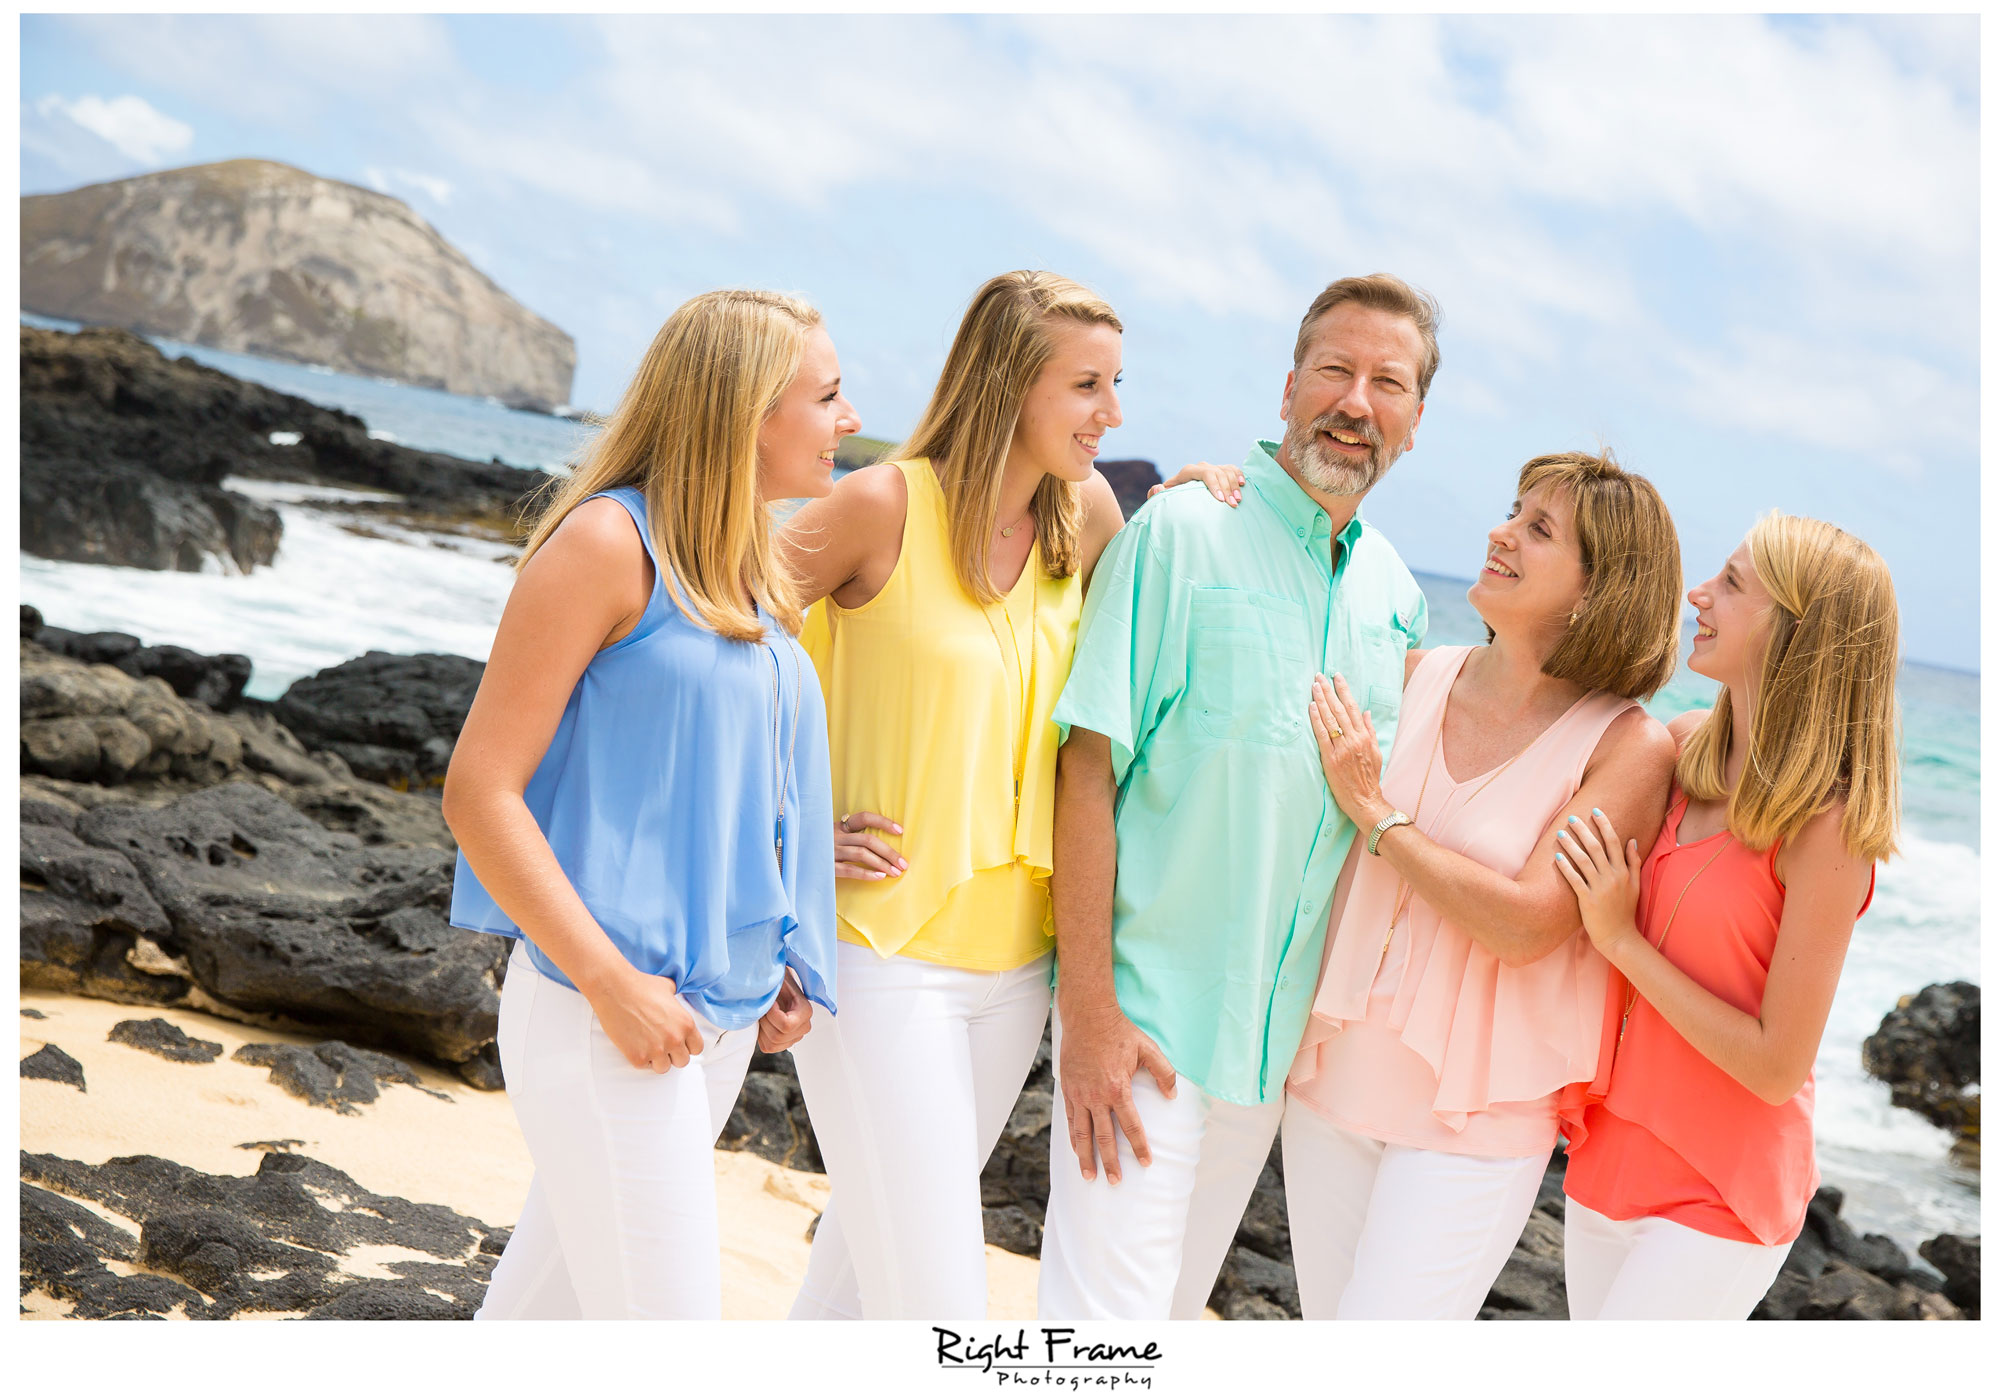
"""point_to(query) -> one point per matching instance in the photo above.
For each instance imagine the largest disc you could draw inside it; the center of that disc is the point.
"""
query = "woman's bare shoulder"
(1682, 725)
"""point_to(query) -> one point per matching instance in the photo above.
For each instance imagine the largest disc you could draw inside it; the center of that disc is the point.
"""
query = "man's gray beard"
(1325, 472)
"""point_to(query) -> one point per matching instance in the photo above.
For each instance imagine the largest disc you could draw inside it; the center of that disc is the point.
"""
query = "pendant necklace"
(1017, 707)
(790, 750)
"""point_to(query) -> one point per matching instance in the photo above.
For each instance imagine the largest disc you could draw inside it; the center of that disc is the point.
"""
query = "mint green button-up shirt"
(1199, 640)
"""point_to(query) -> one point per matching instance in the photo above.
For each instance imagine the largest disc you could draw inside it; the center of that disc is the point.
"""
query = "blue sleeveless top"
(658, 795)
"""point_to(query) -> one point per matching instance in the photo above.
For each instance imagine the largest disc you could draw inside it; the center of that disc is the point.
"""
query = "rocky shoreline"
(124, 454)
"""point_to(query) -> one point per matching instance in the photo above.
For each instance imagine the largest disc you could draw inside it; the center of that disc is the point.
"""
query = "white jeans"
(1403, 1233)
(620, 1218)
(909, 1088)
(1651, 1268)
(1149, 1248)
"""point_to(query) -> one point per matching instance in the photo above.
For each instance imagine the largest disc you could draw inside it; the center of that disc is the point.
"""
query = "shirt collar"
(1285, 496)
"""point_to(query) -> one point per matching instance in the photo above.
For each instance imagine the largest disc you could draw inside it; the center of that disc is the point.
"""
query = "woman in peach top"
(1459, 1006)
(1689, 1180)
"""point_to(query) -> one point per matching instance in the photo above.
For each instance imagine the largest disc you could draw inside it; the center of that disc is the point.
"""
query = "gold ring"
(1338, 732)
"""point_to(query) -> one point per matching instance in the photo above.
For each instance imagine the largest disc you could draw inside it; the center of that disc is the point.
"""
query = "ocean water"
(335, 591)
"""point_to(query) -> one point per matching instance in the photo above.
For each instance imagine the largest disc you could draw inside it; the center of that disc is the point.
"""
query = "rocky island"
(267, 259)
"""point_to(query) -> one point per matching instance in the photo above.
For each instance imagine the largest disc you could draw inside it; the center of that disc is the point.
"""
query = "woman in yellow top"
(953, 576)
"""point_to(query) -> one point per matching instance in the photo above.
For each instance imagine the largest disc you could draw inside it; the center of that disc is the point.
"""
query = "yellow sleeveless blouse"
(931, 723)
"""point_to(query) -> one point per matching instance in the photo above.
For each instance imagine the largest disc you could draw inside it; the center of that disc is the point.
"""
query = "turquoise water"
(332, 594)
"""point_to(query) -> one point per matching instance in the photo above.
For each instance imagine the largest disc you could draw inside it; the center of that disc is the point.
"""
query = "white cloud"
(129, 124)
(280, 70)
(435, 186)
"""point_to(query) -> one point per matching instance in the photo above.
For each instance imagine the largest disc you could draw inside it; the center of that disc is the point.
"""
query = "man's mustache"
(1338, 422)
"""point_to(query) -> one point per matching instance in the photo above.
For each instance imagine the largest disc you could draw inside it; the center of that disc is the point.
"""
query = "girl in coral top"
(1456, 1020)
(952, 577)
(1690, 1178)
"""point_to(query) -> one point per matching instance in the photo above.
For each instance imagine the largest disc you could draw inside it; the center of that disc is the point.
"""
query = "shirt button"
(1302, 533)
(1284, 982)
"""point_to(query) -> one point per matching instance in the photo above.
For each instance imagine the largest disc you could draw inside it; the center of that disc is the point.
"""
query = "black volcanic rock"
(1957, 1258)
(137, 741)
(162, 1037)
(124, 452)
(1130, 478)
(53, 1063)
(1927, 1051)
(96, 512)
(229, 899)
(274, 1241)
(332, 1074)
(394, 719)
(216, 681)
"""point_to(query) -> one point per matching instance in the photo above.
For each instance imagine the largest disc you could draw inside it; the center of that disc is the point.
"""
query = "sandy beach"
(455, 1146)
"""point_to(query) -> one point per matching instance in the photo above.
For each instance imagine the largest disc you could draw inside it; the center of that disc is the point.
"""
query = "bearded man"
(1196, 844)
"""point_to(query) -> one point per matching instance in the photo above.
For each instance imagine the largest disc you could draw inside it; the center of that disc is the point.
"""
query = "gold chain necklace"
(1632, 992)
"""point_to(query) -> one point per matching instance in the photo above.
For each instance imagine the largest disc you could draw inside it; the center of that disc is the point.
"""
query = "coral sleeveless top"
(679, 761)
(938, 718)
(1422, 1037)
(1668, 1132)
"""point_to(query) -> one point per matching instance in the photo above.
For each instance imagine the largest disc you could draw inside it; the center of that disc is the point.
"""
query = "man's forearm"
(1086, 870)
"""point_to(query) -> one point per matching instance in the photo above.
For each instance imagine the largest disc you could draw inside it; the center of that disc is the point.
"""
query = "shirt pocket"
(1249, 669)
(1383, 650)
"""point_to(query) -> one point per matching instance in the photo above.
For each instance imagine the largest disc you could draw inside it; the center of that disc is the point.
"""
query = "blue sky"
(1743, 252)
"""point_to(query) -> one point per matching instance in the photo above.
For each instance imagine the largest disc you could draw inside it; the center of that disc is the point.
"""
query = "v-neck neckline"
(1681, 816)
(1444, 713)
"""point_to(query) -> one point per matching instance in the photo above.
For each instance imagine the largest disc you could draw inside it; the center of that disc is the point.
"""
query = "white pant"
(1149, 1248)
(620, 1218)
(909, 1088)
(1651, 1268)
(1383, 1231)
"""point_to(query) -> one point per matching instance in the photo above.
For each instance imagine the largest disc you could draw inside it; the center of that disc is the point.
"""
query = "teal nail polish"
(1597, 811)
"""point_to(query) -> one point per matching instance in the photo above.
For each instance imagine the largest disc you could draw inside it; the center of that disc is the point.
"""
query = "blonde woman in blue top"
(641, 798)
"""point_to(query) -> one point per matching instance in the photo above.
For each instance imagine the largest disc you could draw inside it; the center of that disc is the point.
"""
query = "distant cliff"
(258, 257)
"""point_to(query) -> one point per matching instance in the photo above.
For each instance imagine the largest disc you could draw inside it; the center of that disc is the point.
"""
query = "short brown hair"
(1383, 292)
(1626, 631)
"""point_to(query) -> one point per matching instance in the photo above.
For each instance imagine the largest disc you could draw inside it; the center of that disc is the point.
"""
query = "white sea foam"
(329, 595)
(297, 491)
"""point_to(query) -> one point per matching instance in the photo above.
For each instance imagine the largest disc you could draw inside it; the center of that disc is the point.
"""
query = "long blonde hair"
(967, 428)
(1823, 718)
(685, 434)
